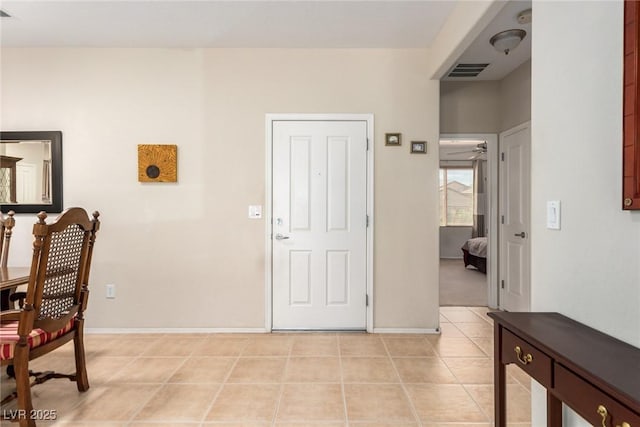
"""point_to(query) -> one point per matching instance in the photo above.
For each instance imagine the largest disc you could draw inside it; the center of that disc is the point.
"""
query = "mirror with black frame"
(31, 171)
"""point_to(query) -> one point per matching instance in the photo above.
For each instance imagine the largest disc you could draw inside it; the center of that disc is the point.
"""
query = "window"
(456, 197)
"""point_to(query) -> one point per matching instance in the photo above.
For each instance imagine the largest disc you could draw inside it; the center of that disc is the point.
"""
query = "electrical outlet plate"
(553, 214)
(255, 211)
(111, 291)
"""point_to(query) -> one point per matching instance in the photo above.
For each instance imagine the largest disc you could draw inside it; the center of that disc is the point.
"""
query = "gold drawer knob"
(627, 202)
(525, 359)
(602, 411)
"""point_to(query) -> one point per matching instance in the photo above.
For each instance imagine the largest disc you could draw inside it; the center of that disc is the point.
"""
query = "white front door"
(515, 196)
(319, 224)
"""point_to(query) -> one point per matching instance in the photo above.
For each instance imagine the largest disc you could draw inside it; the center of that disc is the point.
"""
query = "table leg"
(499, 373)
(554, 411)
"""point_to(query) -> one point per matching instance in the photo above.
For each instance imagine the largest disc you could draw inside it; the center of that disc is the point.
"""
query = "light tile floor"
(314, 379)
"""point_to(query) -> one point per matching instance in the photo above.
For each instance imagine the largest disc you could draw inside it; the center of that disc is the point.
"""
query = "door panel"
(514, 166)
(514, 278)
(300, 183)
(319, 224)
(338, 184)
(337, 277)
(515, 243)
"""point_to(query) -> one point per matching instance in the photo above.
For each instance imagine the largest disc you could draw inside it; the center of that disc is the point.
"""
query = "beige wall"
(486, 106)
(469, 107)
(514, 95)
(185, 255)
(589, 269)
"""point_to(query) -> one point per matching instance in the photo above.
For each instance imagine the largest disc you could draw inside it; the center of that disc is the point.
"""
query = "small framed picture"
(392, 139)
(419, 147)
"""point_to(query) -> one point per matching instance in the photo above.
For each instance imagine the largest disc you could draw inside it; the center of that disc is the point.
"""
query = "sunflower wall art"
(157, 163)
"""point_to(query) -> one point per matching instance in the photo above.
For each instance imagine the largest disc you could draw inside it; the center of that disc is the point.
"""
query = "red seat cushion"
(9, 337)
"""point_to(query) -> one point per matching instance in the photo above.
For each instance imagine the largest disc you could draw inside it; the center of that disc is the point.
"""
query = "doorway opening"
(468, 220)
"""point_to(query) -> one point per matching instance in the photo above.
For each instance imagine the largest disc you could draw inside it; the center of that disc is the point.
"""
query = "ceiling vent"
(4, 14)
(467, 70)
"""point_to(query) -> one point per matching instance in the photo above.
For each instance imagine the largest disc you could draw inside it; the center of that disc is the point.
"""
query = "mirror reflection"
(25, 172)
(31, 171)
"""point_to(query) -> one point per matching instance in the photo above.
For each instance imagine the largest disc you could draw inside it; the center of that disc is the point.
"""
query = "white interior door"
(515, 207)
(26, 183)
(319, 224)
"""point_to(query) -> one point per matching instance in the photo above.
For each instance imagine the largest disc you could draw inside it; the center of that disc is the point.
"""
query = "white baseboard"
(175, 331)
(98, 331)
(406, 331)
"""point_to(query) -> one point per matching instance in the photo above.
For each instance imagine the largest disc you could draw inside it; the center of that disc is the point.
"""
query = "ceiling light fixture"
(506, 41)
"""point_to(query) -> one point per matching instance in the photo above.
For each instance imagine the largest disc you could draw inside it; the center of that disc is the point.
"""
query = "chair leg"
(23, 386)
(82, 380)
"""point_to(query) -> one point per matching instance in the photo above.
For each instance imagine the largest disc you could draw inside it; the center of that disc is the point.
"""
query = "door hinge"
(502, 156)
(502, 219)
(367, 144)
(502, 284)
(367, 221)
(366, 300)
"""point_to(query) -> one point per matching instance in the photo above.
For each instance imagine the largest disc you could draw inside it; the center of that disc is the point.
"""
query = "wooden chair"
(6, 227)
(56, 297)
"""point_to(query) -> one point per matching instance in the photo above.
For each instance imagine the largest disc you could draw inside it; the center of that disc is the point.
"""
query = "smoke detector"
(524, 17)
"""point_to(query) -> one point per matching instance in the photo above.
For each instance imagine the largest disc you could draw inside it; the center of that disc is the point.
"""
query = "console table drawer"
(592, 403)
(533, 361)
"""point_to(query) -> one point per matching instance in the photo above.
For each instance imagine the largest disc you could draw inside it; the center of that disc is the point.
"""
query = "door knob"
(522, 234)
(281, 237)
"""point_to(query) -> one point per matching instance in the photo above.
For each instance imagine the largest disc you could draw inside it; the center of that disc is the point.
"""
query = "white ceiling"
(260, 24)
(481, 52)
(210, 23)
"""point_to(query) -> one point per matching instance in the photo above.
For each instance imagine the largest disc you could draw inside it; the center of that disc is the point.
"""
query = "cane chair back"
(60, 267)
(6, 229)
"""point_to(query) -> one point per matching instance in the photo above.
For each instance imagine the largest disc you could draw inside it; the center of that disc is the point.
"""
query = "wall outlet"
(111, 291)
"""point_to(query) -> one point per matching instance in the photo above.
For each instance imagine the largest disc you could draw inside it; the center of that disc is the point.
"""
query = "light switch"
(255, 212)
(553, 214)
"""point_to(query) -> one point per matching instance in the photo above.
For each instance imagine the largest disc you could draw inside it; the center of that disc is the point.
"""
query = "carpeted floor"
(461, 286)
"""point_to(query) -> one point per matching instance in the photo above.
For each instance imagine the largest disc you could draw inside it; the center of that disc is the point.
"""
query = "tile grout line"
(482, 411)
(342, 389)
(222, 384)
(162, 385)
(414, 411)
(108, 382)
(131, 362)
(282, 383)
(463, 385)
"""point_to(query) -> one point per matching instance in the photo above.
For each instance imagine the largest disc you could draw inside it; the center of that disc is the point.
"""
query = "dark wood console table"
(594, 374)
